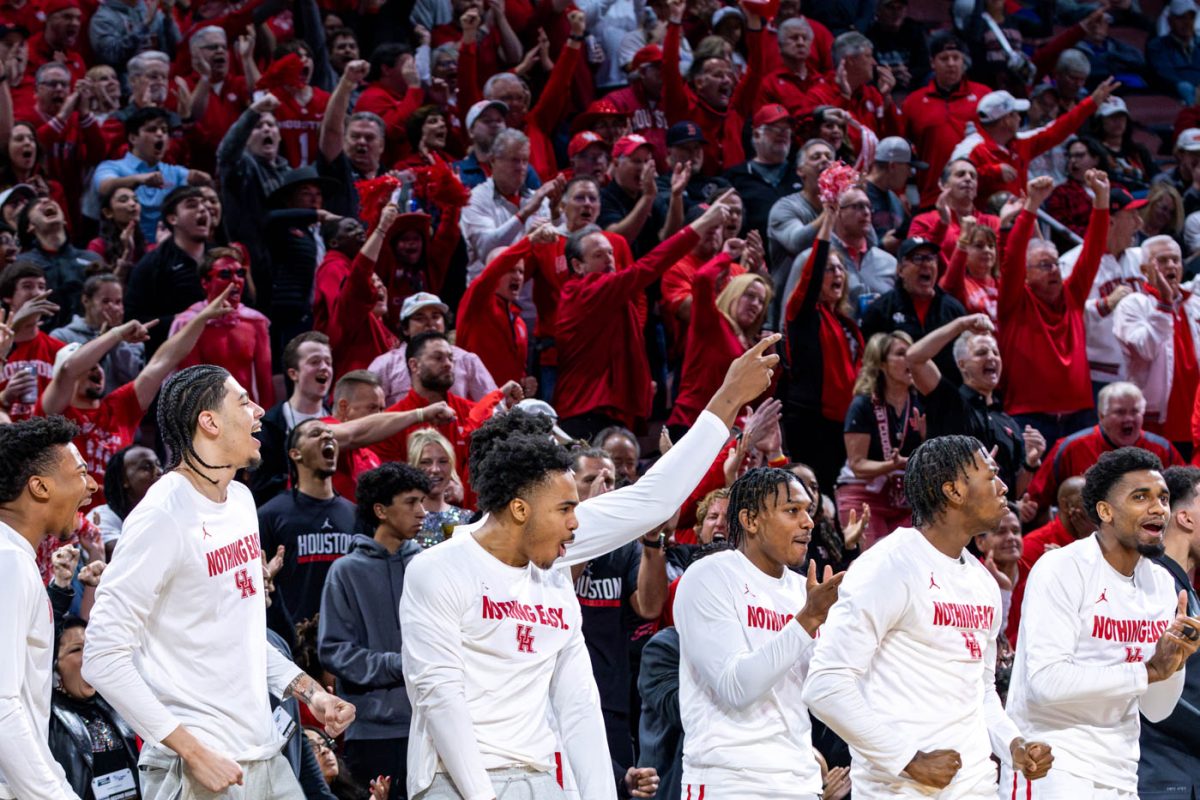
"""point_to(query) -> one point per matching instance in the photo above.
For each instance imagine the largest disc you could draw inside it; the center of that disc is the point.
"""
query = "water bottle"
(31, 395)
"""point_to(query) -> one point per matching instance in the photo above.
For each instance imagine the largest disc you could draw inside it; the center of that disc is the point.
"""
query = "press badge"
(283, 723)
(117, 785)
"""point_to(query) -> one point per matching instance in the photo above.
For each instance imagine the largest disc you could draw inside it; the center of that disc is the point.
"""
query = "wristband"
(420, 415)
(656, 543)
(778, 462)
(575, 38)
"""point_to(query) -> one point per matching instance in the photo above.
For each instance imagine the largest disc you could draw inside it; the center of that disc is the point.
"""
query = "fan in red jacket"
(344, 237)
(792, 83)
(603, 372)
(850, 87)
(642, 102)
(1041, 318)
(394, 93)
(715, 100)
(1002, 155)
(357, 333)
(935, 116)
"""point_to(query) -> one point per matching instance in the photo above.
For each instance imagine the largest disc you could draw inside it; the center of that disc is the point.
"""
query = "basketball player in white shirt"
(177, 638)
(746, 625)
(493, 646)
(1103, 637)
(904, 670)
(44, 484)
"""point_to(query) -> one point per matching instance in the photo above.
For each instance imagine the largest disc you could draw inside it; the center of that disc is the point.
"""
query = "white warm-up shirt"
(178, 632)
(27, 768)
(906, 662)
(1079, 678)
(743, 659)
(481, 699)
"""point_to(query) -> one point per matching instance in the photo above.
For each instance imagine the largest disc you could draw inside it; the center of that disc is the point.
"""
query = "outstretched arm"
(333, 132)
(175, 349)
(58, 393)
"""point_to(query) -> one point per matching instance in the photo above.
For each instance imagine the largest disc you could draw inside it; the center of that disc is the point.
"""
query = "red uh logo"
(243, 581)
(1133, 654)
(972, 646)
(524, 638)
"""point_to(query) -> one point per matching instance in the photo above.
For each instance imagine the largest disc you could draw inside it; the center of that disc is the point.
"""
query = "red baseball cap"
(770, 114)
(595, 111)
(626, 145)
(53, 6)
(582, 141)
(650, 54)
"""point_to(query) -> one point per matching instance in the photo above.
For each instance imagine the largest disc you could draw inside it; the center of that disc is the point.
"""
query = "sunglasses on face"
(227, 274)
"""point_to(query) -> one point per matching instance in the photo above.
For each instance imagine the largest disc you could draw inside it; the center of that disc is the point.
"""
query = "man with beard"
(218, 97)
(311, 522)
(109, 422)
(771, 174)
(45, 483)
(239, 338)
(1104, 636)
(904, 670)
(177, 641)
(431, 365)
(1122, 408)
(167, 279)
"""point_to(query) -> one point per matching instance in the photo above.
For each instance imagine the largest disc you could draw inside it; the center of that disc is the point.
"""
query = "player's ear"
(953, 492)
(1104, 511)
(748, 520)
(207, 422)
(294, 455)
(519, 510)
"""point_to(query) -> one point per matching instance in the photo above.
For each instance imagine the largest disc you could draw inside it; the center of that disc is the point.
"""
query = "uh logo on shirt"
(240, 556)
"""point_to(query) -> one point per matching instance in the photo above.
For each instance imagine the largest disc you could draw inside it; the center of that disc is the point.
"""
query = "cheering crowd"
(535, 398)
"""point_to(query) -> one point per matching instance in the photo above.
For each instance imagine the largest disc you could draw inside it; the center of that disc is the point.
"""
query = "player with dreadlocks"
(177, 638)
(904, 670)
(492, 636)
(746, 625)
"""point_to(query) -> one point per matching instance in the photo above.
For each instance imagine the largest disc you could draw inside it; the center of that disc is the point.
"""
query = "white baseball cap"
(1113, 105)
(1177, 8)
(531, 405)
(482, 106)
(415, 302)
(995, 105)
(1189, 140)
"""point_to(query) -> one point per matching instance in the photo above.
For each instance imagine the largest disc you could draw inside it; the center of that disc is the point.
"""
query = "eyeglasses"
(923, 258)
(1045, 265)
(856, 207)
(55, 84)
(227, 274)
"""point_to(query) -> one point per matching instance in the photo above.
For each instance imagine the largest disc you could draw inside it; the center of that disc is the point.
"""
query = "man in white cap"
(1187, 157)
(485, 120)
(1173, 58)
(1001, 157)
(426, 312)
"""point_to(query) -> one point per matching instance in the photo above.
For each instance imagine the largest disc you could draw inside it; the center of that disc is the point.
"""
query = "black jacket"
(162, 284)
(71, 743)
(270, 477)
(804, 368)
(1170, 764)
(660, 729)
(894, 311)
(758, 196)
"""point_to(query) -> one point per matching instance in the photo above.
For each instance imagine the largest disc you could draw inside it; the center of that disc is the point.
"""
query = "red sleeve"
(705, 315)
(1041, 490)
(356, 300)
(93, 142)
(481, 412)
(468, 79)
(1056, 132)
(479, 295)
(1046, 56)
(443, 246)
(954, 282)
(747, 88)
(675, 90)
(394, 113)
(1095, 243)
(713, 479)
(921, 228)
(1012, 268)
(50, 133)
(556, 95)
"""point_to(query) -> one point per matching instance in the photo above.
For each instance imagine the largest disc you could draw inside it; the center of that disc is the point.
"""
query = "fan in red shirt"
(1041, 318)
(1122, 407)
(936, 115)
(359, 421)
(394, 93)
(715, 100)
(489, 319)
(431, 364)
(224, 96)
(791, 85)
(1002, 155)
(722, 327)
(850, 88)
(240, 340)
(642, 101)
(301, 106)
(1071, 524)
(603, 372)
(343, 237)
(30, 363)
(108, 422)
(357, 333)
(57, 41)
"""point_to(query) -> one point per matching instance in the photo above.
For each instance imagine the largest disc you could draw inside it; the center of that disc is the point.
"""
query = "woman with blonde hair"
(1163, 213)
(432, 453)
(884, 424)
(720, 329)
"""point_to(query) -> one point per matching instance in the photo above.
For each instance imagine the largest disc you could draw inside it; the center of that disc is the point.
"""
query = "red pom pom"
(835, 180)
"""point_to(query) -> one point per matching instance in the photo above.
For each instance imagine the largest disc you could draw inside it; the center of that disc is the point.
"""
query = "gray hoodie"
(121, 365)
(359, 636)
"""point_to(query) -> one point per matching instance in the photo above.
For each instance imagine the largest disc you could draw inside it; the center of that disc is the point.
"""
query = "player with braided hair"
(177, 638)
(746, 625)
(904, 670)
(492, 634)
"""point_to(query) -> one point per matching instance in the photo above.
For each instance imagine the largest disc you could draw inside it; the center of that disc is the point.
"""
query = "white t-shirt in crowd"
(178, 632)
(906, 663)
(743, 660)
(27, 767)
(1079, 678)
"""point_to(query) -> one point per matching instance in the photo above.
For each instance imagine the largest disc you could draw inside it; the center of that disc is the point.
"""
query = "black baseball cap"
(684, 132)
